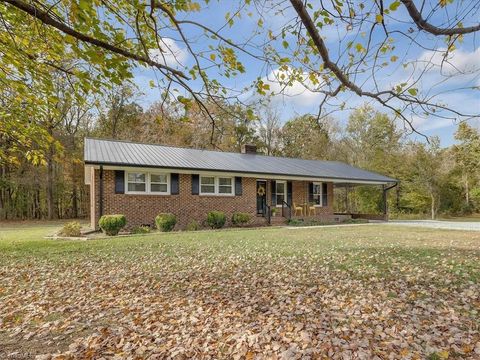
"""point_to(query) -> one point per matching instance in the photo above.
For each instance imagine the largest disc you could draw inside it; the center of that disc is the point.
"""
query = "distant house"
(142, 180)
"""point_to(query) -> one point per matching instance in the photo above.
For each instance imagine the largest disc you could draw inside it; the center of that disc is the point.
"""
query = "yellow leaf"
(213, 57)
(379, 18)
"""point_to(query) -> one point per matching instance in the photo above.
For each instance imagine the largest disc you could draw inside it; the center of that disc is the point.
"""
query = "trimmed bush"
(193, 226)
(71, 229)
(141, 230)
(165, 221)
(112, 224)
(216, 219)
(240, 218)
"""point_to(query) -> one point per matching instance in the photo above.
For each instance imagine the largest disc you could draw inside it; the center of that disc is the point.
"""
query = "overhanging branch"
(45, 18)
(426, 26)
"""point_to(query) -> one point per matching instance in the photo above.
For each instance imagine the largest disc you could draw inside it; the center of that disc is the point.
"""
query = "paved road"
(452, 225)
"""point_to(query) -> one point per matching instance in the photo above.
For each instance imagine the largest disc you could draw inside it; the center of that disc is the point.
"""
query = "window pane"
(210, 189)
(136, 177)
(225, 181)
(158, 187)
(280, 199)
(207, 180)
(316, 199)
(280, 188)
(225, 189)
(317, 189)
(158, 178)
(136, 187)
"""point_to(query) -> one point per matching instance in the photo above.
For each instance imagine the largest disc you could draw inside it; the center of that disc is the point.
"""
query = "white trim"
(285, 191)
(321, 193)
(147, 182)
(216, 185)
(241, 174)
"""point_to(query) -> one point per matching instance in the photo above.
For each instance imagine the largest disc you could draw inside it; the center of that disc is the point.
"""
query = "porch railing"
(286, 210)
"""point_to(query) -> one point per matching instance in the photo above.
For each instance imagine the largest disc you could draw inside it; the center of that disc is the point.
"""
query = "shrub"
(165, 221)
(111, 224)
(240, 218)
(193, 226)
(216, 219)
(71, 229)
(141, 230)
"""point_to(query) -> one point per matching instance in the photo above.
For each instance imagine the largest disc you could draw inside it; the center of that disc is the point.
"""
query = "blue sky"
(457, 92)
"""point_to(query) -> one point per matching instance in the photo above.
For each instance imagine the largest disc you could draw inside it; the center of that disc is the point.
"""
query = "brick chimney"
(249, 149)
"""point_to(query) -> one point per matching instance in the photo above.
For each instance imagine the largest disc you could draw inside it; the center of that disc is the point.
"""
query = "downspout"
(385, 189)
(100, 203)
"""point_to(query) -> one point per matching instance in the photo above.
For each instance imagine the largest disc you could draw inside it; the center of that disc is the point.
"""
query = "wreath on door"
(261, 191)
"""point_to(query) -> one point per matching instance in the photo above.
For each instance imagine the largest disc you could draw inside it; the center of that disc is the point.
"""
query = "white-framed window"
(213, 185)
(281, 192)
(159, 183)
(207, 184)
(147, 183)
(136, 182)
(225, 185)
(317, 193)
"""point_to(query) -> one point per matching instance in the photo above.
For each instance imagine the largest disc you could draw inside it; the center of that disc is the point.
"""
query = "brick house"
(142, 180)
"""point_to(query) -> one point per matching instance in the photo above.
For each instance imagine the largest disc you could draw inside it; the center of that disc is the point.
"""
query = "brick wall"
(142, 209)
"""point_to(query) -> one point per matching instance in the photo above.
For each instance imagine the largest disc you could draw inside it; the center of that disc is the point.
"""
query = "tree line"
(433, 179)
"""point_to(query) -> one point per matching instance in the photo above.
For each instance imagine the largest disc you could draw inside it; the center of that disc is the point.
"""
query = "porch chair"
(312, 209)
(296, 209)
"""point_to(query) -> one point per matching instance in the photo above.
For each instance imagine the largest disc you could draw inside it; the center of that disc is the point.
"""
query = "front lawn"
(346, 292)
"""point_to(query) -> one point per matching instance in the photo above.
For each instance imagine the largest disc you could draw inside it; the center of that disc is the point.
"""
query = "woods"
(433, 180)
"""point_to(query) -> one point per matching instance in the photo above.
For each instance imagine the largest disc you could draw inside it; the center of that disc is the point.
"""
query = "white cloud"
(297, 92)
(171, 54)
(455, 62)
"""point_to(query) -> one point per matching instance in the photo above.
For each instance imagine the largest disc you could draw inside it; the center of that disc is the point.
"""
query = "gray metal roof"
(122, 153)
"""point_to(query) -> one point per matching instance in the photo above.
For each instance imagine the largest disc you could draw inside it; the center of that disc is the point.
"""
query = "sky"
(458, 92)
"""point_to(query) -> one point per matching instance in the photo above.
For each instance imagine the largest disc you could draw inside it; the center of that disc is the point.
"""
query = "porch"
(279, 201)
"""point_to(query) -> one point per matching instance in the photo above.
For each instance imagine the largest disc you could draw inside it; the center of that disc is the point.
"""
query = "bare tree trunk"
(432, 196)
(50, 180)
(3, 207)
(467, 190)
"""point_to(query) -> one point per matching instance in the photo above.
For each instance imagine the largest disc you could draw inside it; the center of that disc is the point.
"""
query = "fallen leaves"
(189, 299)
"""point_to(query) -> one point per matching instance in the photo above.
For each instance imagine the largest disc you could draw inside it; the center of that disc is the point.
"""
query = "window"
(147, 183)
(207, 185)
(159, 183)
(317, 193)
(211, 185)
(137, 182)
(225, 186)
(281, 191)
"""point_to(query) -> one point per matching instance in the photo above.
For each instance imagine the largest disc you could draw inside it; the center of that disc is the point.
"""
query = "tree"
(467, 155)
(110, 39)
(427, 174)
(269, 129)
(303, 137)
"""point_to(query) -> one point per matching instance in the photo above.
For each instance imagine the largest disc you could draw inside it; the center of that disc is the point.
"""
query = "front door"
(261, 196)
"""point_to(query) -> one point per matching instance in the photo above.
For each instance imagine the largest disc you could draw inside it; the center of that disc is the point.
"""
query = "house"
(142, 180)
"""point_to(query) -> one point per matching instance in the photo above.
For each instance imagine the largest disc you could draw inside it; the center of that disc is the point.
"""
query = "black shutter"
(174, 184)
(274, 192)
(119, 182)
(238, 185)
(289, 192)
(310, 192)
(324, 194)
(195, 184)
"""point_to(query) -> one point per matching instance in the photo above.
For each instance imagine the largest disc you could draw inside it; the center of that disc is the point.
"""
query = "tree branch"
(426, 26)
(44, 17)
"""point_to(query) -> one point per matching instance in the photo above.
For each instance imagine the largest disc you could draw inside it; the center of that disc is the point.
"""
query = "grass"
(229, 285)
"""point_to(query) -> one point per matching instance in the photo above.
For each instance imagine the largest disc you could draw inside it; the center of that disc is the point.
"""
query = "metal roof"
(123, 153)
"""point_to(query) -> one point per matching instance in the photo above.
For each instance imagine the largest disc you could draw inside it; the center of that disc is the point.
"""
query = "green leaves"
(413, 91)
(394, 5)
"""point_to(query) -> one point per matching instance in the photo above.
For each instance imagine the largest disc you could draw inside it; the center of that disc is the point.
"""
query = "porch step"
(278, 220)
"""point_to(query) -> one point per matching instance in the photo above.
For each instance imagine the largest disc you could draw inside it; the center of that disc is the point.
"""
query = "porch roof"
(131, 154)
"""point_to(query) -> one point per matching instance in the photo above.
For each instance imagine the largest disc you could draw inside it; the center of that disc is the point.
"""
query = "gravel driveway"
(434, 224)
